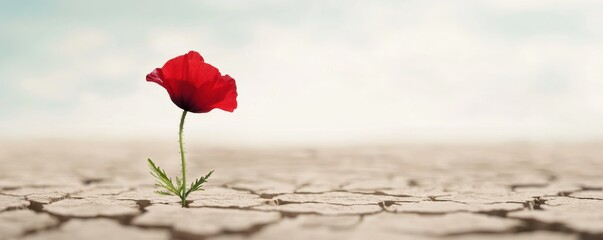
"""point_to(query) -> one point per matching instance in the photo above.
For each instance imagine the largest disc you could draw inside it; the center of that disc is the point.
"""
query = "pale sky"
(307, 71)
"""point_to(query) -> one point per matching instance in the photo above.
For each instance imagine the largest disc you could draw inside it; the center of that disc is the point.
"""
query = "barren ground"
(70, 190)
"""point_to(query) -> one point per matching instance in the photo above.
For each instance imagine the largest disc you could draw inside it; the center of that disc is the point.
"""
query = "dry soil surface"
(90, 190)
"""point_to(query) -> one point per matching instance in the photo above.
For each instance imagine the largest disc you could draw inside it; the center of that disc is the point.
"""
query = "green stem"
(183, 159)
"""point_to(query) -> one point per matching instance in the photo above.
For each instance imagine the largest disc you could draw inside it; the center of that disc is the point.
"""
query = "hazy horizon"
(307, 72)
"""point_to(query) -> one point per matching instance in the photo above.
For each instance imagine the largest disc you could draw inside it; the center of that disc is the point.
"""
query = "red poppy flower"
(194, 85)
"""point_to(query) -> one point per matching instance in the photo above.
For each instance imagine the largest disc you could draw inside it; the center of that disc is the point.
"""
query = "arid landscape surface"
(94, 190)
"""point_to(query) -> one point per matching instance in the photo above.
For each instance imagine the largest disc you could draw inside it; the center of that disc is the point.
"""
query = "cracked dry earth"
(75, 190)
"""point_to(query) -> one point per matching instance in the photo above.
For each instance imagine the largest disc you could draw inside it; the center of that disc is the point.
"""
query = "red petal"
(200, 73)
(229, 102)
(220, 93)
(183, 94)
(177, 68)
(188, 93)
(155, 77)
(194, 85)
(194, 56)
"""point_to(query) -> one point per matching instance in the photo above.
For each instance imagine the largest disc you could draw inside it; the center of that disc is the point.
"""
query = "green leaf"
(179, 185)
(163, 180)
(198, 184)
(164, 193)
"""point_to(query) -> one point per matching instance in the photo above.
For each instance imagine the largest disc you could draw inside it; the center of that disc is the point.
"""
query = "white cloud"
(539, 4)
(53, 86)
(79, 41)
